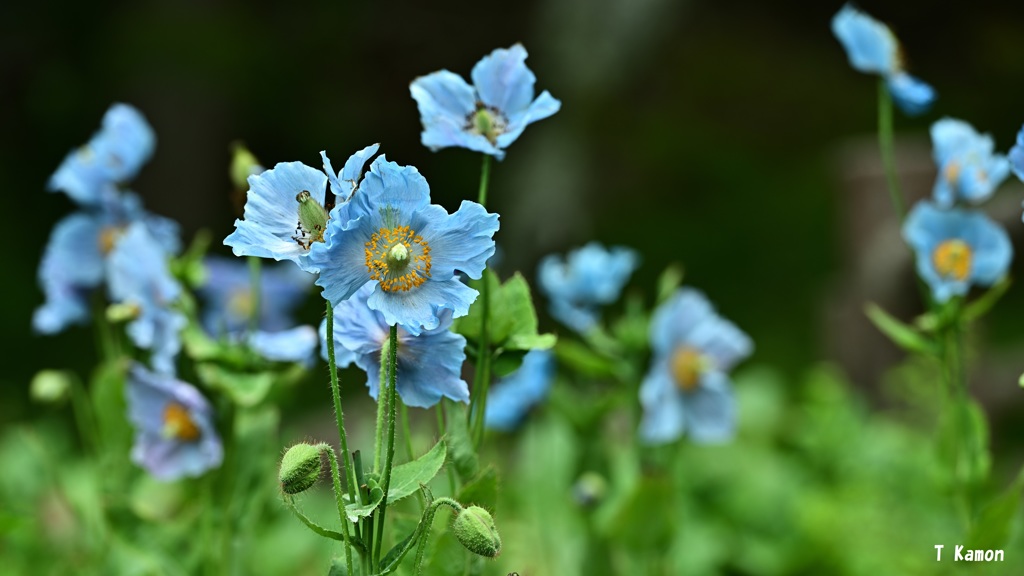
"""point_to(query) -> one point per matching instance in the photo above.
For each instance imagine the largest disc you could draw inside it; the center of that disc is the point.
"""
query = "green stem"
(390, 459)
(339, 416)
(481, 380)
(382, 408)
(336, 481)
(88, 429)
(421, 547)
(885, 144)
(441, 432)
(407, 432)
(254, 287)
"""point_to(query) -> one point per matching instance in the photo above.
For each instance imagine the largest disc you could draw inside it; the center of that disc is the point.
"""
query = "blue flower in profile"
(138, 275)
(429, 363)
(956, 249)
(588, 278)
(969, 169)
(227, 293)
(487, 116)
(509, 399)
(687, 388)
(174, 432)
(408, 249)
(287, 209)
(114, 155)
(1017, 155)
(74, 260)
(873, 49)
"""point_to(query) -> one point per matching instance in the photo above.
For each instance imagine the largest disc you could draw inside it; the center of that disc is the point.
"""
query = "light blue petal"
(664, 417)
(577, 317)
(357, 328)
(509, 399)
(420, 306)
(503, 81)
(1017, 155)
(869, 44)
(228, 282)
(271, 212)
(910, 94)
(545, 105)
(401, 190)
(677, 318)
(343, 357)
(445, 103)
(341, 257)
(462, 241)
(353, 170)
(992, 250)
(430, 367)
(588, 277)
(295, 345)
(710, 409)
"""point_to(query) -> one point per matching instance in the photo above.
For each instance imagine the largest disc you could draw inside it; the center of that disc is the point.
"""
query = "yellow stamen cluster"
(687, 364)
(108, 238)
(952, 259)
(398, 258)
(952, 172)
(178, 424)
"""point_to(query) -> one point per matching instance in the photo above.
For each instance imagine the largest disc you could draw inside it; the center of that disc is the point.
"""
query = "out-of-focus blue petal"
(664, 418)
(912, 95)
(1017, 155)
(227, 293)
(150, 398)
(503, 81)
(511, 397)
(294, 345)
(869, 44)
(711, 409)
(969, 168)
(71, 266)
(678, 317)
(587, 278)
(545, 105)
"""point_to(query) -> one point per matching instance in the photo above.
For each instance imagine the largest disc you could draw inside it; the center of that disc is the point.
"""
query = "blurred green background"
(719, 135)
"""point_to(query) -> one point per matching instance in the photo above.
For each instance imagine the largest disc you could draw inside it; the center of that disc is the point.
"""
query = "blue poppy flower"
(511, 397)
(687, 387)
(956, 249)
(287, 208)
(429, 363)
(73, 262)
(969, 170)
(588, 278)
(873, 49)
(227, 293)
(114, 155)
(174, 432)
(138, 275)
(296, 344)
(487, 116)
(407, 248)
(1016, 155)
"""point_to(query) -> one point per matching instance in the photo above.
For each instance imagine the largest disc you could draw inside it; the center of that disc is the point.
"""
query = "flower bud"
(589, 489)
(243, 165)
(474, 528)
(50, 386)
(300, 468)
(123, 312)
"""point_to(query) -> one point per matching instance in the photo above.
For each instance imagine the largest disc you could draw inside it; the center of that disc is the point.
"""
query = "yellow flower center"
(687, 365)
(178, 424)
(488, 122)
(241, 302)
(398, 258)
(108, 238)
(952, 172)
(952, 259)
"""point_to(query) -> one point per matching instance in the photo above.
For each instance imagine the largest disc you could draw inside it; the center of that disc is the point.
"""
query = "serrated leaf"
(991, 530)
(243, 388)
(354, 512)
(901, 334)
(406, 478)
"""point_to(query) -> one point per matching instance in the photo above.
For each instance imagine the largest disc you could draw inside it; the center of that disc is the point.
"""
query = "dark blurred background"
(731, 137)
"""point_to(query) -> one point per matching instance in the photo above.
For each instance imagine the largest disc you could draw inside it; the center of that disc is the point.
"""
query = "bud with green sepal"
(300, 468)
(474, 528)
(50, 386)
(312, 219)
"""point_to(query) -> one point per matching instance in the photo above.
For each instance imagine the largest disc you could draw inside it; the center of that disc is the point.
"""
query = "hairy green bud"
(50, 386)
(312, 218)
(474, 528)
(243, 165)
(300, 468)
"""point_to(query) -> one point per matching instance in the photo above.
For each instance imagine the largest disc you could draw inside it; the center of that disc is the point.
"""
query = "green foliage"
(406, 478)
(513, 320)
(901, 334)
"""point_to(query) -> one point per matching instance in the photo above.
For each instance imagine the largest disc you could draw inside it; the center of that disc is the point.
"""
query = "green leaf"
(530, 342)
(901, 334)
(461, 453)
(244, 389)
(669, 280)
(482, 490)
(991, 530)
(109, 403)
(513, 320)
(406, 478)
(354, 512)
(582, 359)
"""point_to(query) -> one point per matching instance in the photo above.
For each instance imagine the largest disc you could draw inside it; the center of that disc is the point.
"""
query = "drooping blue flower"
(873, 49)
(408, 249)
(588, 278)
(969, 169)
(956, 249)
(114, 155)
(429, 363)
(487, 116)
(510, 398)
(174, 432)
(138, 275)
(687, 388)
(227, 293)
(73, 260)
(287, 208)
(1016, 155)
